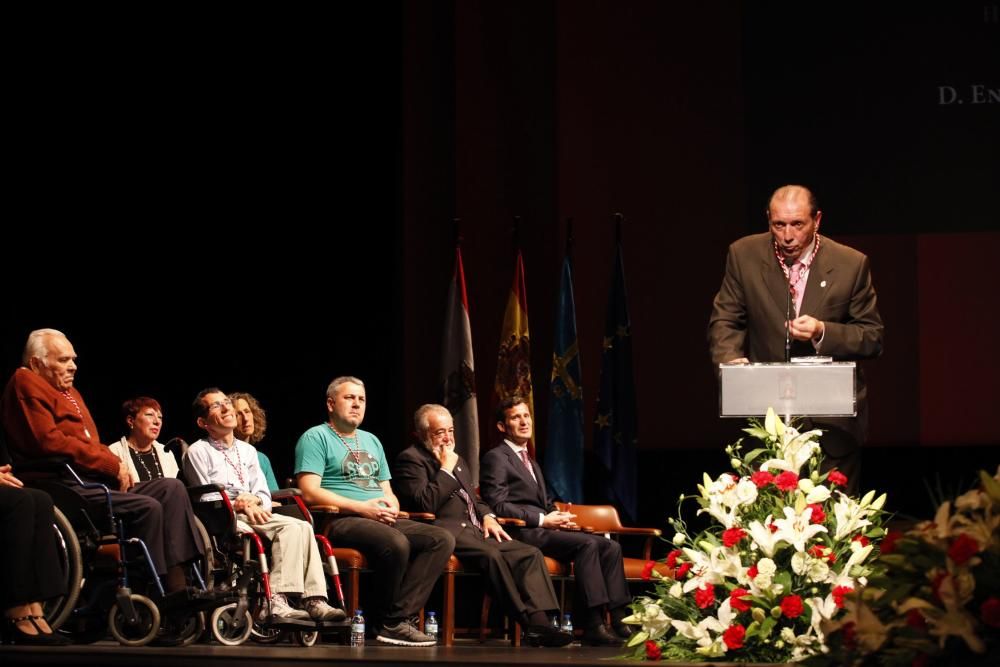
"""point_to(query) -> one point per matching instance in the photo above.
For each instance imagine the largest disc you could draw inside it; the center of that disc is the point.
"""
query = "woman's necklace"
(141, 456)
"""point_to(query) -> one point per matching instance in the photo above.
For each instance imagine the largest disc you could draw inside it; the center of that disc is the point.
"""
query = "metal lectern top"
(809, 389)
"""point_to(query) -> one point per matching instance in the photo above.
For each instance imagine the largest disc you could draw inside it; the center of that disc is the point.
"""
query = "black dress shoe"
(546, 635)
(601, 636)
(622, 630)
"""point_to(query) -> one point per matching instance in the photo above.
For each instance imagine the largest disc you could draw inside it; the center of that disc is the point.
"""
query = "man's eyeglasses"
(218, 404)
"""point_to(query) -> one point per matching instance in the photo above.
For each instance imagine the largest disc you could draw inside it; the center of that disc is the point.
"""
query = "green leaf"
(767, 626)
(991, 486)
(638, 638)
(754, 454)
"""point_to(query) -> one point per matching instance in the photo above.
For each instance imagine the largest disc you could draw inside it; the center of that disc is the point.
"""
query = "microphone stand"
(789, 262)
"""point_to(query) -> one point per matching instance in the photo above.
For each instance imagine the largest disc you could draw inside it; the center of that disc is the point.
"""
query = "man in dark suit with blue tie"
(512, 484)
(431, 477)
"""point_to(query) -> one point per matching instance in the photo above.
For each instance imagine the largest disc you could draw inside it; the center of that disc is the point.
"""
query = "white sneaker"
(282, 611)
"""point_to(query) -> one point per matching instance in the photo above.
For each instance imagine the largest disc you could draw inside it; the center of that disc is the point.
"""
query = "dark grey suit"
(508, 488)
(748, 320)
(516, 570)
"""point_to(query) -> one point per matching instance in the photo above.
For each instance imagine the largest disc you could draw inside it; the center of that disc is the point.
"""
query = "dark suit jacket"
(507, 487)
(422, 486)
(748, 314)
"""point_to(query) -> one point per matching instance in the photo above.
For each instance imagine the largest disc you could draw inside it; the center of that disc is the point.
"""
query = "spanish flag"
(514, 357)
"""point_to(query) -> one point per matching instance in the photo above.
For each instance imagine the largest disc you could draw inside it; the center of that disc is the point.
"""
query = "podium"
(803, 388)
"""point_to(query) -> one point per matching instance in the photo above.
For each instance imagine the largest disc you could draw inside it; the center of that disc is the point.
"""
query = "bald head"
(792, 194)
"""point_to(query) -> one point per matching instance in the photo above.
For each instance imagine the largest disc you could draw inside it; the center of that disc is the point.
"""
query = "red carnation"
(818, 515)
(862, 539)
(787, 481)
(704, 596)
(672, 558)
(736, 600)
(819, 551)
(732, 536)
(837, 478)
(761, 478)
(962, 549)
(888, 544)
(915, 619)
(838, 595)
(682, 569)
(733, 636)
(989, 611)
(752, 571)
(647, 570)
(653, 651)
(791, 606)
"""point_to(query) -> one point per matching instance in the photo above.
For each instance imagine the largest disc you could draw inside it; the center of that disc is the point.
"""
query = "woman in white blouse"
(145, 457)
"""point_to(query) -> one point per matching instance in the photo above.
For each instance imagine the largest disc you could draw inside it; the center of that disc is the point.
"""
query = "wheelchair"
(240, 571)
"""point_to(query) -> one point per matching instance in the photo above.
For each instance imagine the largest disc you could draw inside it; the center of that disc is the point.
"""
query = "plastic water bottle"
(358, 629)
(555, 621)
(431, 625)
(567, 625)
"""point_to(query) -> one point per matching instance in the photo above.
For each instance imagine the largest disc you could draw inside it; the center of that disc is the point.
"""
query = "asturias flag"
(564, 446)
(616, 425)
(458, 375)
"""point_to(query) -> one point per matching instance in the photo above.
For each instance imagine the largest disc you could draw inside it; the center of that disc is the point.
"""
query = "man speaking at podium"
(821, 288)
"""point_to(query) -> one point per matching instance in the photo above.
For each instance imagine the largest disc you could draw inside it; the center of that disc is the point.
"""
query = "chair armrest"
(418, 516)
(281, 494)
(510, 521)
(324, 509)
(627, 530)
(196, 492)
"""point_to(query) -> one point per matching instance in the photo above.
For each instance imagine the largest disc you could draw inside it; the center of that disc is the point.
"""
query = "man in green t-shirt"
(336, 463)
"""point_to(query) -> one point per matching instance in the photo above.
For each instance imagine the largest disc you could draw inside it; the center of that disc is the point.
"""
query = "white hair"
(421, 418)
(38, 344)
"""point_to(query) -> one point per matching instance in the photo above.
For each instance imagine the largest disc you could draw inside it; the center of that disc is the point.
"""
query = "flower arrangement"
(938, 600)
(785, 551)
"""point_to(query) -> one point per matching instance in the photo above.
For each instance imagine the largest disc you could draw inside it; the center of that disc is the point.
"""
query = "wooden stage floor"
(256, 655)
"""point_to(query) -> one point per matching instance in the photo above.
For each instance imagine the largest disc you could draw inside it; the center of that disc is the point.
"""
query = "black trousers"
(407, 558)
(516, 570)
(597, 563)
(159, 513)
(29, 563)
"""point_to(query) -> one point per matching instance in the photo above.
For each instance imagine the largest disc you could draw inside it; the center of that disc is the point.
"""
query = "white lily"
(763, 537)
(850, 517)
(954, 620)
(652, 618)
(818, 494)
(796, 529)
(702, 632)
(702, 569)
(796, 450)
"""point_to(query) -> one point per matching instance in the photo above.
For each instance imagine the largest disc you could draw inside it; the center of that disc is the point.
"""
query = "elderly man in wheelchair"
(296, 569)
(45, 417)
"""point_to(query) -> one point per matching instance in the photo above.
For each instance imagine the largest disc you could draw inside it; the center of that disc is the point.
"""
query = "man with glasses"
(431, 477)
(296, 566)
(45, 416)
(336, 463)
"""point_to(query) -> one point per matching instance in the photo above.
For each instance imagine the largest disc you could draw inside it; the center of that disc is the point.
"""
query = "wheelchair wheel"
(140, 633)
(58, 610)
(224, 625)
(180, 630)
(305, 638)
(264, 635)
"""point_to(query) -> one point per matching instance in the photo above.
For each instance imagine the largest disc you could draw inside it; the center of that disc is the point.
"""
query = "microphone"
(789, 262)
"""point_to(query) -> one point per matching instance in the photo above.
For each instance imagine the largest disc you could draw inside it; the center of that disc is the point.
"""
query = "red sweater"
(40, 421)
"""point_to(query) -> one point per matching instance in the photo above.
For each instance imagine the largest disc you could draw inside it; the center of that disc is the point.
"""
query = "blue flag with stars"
(564, 446)
(616, 432)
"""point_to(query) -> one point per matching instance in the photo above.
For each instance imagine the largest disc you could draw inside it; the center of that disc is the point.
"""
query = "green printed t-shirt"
(354, 471)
